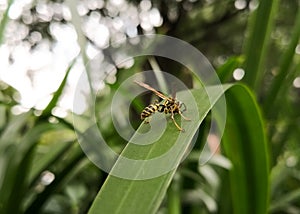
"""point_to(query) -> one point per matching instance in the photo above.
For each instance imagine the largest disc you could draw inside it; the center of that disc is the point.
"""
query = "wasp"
(169, 105)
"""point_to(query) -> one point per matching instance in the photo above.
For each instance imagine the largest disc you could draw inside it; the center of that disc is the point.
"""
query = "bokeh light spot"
(238, 74)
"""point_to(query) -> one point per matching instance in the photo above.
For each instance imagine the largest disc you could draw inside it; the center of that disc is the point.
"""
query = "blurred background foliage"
(42, 167)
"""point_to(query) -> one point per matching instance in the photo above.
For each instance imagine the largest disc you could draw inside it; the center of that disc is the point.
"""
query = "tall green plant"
(260, 27)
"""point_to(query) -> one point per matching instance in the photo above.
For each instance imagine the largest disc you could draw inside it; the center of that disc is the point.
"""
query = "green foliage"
(47, 111)
(257, 45)
(225, 71)
(262, 124)
(146, 195)
(286, 60)
(17, 153)
(32, 149)
(245, 144)
(4, 20)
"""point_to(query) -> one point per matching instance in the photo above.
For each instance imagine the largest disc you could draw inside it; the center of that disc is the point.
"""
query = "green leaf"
(225, 71)
(282, 203)
(257, 44)
(13, 129)
(47, 111)
(145, 196)
(245, 144)
(174, 195)
(120, 195)
(17, 158)
(55, 152)
(279, 83)
(71, 168)
(4, 21)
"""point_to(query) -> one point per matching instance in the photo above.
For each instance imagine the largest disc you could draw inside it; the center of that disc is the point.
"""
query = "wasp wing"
(173, 91)
(152, 89)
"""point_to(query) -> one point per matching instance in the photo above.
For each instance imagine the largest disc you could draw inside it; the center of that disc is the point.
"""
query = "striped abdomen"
(151, 109)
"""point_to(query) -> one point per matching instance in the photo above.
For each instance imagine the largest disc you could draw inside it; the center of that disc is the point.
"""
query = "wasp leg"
(185, 118)
(178, 127)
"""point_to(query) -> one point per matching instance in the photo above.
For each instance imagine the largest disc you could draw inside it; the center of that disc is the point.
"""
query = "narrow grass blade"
(285, 201)
(19, 155)
(56, 151)
(82, 41)
(57, 94)
(158, 74)
(4, 21)
(174, 204)
(257, 44)
(72, 167)
(285, 63)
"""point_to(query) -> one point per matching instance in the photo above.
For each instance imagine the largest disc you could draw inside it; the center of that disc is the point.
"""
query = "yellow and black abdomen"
(149, 110)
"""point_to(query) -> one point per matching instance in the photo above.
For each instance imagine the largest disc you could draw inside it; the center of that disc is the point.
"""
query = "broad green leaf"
(244, 142)
(145, 196)
(120, 195)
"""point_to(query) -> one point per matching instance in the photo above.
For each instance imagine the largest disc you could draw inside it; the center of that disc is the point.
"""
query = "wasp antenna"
(143, 85)
(137, 82)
